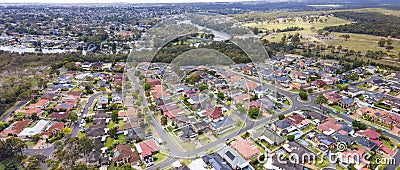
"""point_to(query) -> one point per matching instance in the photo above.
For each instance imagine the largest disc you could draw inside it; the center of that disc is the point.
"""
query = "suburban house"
(37, 129)
(116, 98)
(245, 148)
(353, 92)
(15, 128)
(370, 134)
(281, 125)
(298, 149)
(392, 119)
(102, 103)
(323, 141)
(214, 112)
(125, 154)
(267, 135)
(187, 133)
(97, 129)
(375, 113)
(333, 97)
(352, 157)
(329, 127)
(347, 103)
(57, 127)
(146, 150)
(216, 162)
(233, 158)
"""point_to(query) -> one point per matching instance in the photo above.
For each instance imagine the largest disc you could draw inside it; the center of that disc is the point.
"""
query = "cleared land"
(357, 42)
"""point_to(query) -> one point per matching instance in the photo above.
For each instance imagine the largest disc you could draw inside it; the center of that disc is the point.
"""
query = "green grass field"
(357, 42)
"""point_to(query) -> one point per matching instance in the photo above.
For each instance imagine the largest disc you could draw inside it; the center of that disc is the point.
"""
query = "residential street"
(175, 154)
(74, 132)
(6, 115)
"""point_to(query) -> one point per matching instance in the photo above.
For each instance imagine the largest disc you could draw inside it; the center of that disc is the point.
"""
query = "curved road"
(175, 154)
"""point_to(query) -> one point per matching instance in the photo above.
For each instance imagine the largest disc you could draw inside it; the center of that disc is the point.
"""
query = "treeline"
(349, 59)
(292, 28)
(169, 52)
(372, 23)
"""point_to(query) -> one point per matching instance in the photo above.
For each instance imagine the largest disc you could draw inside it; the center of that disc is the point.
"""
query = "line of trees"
(372, 23)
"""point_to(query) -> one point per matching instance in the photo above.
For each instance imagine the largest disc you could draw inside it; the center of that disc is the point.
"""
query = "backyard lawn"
(108, 142)
(121, 138)
(308, 128)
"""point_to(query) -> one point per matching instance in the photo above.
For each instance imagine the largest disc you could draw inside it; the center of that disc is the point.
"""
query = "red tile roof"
(59, 115)
(153, 82)
(214, 112)
(329, 125)
(371, 134)
(387, 150)
(245, 148)
(148, 147)
(253, 104)
(295, 119)
(58, 126)
(124, 152)
(17, 127)
(31, 111)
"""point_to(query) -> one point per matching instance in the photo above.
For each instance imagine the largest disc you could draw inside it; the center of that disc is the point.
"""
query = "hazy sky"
(110, 1)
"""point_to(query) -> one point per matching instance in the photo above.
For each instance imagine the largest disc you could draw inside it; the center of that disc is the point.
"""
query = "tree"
(254, 112)
(381, 42)
(68, 153)
(203, 87)
(164, 120)
(351, 167)
(254, 98)
(194, 78)
(221, 96)
(358, 125)
(34, 116)
(66, 130)
(10, 147)
(320, 100)
(114, 115)
(36, 137)
(255, 31)
(70, 66)
(72, 117)
(147, 87)
(303, 95)
(33, 162)
(281, 117)
(126, 167)
(112, 132)
(345, 36)
(320, 32)
(389, 41)
(389, 47)
(290, 138)
(85, 145)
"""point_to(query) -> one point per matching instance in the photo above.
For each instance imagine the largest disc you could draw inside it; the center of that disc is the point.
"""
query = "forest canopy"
(175, 48)
(372, 23)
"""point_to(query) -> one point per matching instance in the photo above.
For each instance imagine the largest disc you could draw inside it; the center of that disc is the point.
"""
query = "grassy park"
(356, 42)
